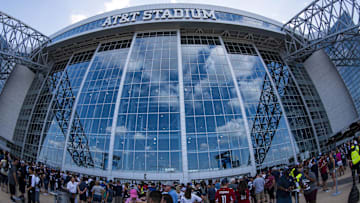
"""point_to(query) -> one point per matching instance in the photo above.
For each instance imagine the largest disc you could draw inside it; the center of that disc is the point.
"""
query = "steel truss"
(326, 24)
(266, 121)
(78, 142)
(21, 44)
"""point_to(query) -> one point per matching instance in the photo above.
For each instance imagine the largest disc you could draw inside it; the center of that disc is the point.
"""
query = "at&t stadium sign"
(159, 14)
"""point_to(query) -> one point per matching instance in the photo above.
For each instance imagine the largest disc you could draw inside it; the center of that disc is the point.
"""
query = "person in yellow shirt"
(355, 159)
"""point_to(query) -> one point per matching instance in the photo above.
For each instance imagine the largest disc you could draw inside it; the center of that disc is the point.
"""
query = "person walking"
(243, 193)
(97, 192)
(259, 184)
(168, 190)
(355, 159)
(82, 189)
(225, 194)
(284, 188)
(22, 179)
(211, 193)
(109, 192)
(118, 192)
(311, 190)
(339, 162)
(71, 187)
(190, 198)
(31, 186)
(331, 166)
(4, 173)
(324, 172)
(13, 180)
(270, 186)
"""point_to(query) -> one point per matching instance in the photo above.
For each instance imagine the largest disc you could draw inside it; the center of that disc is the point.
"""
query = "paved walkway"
(345, 183)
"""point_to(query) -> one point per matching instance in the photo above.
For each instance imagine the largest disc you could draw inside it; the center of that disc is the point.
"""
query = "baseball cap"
(133, 193)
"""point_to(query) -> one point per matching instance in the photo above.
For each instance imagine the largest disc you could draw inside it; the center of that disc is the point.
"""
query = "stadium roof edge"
(163, 5)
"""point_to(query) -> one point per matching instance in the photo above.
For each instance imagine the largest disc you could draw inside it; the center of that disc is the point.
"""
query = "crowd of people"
(26, 181)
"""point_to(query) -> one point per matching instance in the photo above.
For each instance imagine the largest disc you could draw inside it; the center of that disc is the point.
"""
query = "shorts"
(97, 198)
(260, 195)
(324, 176)
(310, 196)
(271, 192)
(4, 179)
(22, 187)
(339, 163)
(83, 197)
(356, 168)
(12, 189)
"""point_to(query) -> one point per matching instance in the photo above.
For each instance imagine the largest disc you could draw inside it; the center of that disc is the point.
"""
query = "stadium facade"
(173, 92)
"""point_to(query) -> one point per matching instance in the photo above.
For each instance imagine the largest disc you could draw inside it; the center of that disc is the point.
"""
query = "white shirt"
(34, 182)
(193, 199)
(72, 187)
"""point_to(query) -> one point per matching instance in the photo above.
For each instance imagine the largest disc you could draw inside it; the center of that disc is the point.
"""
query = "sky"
(49, 16)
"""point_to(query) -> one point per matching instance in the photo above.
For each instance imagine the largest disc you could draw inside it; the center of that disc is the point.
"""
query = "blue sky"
(49, 16)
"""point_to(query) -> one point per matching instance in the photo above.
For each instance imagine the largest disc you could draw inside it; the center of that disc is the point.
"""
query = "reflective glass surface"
(58, 119)
(294, 107)
(95, 109)
(148, 129)
(313, 101)
(215, 130)
(147, 132)
(262, 107)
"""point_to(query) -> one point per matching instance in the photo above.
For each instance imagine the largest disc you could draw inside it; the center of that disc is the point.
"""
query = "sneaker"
(46, 194)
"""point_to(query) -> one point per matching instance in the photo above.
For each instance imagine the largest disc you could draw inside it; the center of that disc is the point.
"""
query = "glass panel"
(151, 100)
(213, 122)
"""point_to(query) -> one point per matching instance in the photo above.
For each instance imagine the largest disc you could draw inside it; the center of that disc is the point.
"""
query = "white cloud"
(173, 1)
(77, 17)
(116, 4)
(108, 6)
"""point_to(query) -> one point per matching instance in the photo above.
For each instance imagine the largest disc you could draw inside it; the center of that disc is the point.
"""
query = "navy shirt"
(285, 183)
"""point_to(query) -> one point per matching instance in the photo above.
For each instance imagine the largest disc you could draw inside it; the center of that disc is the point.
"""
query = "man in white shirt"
(72, 188)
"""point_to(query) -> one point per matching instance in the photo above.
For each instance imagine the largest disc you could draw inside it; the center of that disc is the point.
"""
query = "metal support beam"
(333, 25)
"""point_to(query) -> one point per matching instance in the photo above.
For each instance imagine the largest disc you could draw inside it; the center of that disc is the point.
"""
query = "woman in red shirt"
(243, 193)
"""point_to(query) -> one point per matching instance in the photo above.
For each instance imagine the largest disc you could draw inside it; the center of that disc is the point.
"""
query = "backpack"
(111, 194)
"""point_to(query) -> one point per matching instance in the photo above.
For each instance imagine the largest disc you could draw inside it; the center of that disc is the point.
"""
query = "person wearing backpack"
(109, 192)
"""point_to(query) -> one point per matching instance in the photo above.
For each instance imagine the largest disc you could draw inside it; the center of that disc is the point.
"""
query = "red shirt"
(243, 198)
(323, 169)
(225, 195)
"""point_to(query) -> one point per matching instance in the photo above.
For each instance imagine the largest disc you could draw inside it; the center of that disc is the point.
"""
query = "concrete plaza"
(344, 182)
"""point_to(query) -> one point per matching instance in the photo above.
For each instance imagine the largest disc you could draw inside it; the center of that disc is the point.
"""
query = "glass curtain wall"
(269, 133)
(38, 116)
(148, 128)
(298, 118)
(313, 102)
(89, 138)
(25, 115)
(215, 129)
(58, 119)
